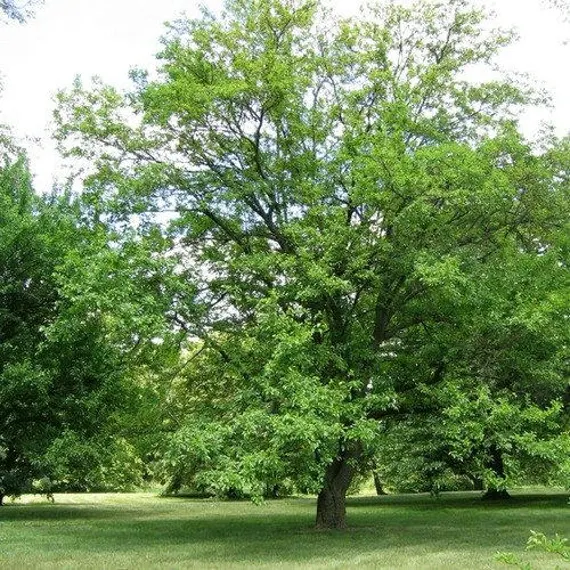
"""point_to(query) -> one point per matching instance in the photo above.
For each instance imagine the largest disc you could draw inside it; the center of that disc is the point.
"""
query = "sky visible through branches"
(106, 38)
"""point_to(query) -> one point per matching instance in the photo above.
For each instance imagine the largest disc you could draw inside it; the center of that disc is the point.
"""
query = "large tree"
(342, 189)
(26, 302)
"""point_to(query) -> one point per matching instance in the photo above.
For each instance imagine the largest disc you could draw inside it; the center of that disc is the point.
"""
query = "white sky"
(108, 37)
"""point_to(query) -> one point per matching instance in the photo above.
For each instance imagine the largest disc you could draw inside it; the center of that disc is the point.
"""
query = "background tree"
(340, 190)
(111, 337)
(18, 11)
(27, 303)
(79, 307)
(497, 412)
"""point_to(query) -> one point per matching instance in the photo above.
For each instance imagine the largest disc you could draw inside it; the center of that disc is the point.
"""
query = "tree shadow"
(239, 533)
(462, 499)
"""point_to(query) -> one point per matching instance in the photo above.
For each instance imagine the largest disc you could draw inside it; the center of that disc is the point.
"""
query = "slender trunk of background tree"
(497, 465)
(1, 499)
(331, 501)
(478, 483)
(378, 483)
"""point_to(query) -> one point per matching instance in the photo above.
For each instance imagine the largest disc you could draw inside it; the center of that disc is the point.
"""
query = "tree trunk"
(496, 495)
(378, 483)
(497, 465)
(331, 501)
(478, 483)
(1, 499)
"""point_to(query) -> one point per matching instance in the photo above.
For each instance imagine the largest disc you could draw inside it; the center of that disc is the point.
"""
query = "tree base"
(331, 510)
(478, 484)
(496, 495)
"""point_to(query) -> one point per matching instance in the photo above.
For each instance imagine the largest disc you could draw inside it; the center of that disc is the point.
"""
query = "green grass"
(144, 531)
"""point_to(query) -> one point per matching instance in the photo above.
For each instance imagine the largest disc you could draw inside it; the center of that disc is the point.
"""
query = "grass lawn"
(144, 531)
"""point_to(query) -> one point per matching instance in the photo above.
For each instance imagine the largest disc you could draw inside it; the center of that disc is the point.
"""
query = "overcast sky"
(108, 37)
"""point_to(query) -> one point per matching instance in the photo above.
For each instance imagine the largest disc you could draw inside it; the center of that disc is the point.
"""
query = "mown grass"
(144, 531)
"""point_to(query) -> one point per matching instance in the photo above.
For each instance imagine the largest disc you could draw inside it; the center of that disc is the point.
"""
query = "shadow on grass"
(462, 500)
(57, 512)
(281, 532)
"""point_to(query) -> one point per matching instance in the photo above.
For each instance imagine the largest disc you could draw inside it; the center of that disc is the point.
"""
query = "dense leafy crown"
(359, 219)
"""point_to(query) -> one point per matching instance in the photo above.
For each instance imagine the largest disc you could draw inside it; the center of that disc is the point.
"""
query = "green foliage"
(99, 464)
(540, 542)
(370, 241)
(79, 309)
(28, 256)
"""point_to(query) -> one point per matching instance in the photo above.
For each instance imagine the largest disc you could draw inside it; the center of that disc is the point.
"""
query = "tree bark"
(1, 499)
(496, 495)
(497, 465)
(378, 483)
(477, 482)
(331, 501)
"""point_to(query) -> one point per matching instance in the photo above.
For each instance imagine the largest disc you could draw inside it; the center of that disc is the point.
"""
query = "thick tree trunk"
(1, 499)
(331, 508)
(331, 502)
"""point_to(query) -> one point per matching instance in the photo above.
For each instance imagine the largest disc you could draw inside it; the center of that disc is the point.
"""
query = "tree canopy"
(360, 229)
(78, 309)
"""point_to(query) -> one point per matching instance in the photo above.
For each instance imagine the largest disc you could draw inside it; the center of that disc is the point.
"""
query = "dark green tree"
(79, 307)
(27, 300)
(495, 409)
